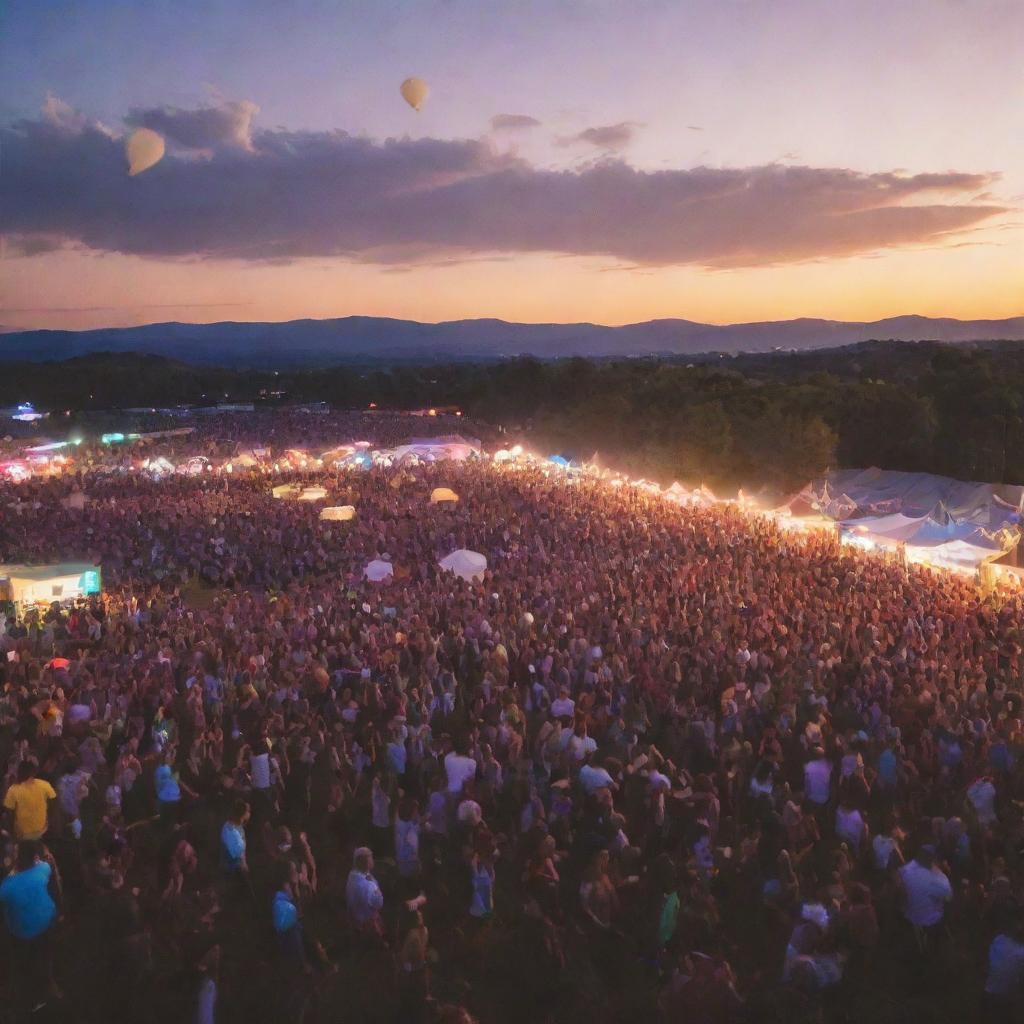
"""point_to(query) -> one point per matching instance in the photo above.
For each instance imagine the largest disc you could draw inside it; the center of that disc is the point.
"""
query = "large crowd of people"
(659, 763)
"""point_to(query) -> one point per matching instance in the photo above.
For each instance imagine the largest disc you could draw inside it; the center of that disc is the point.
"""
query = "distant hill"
(318, 343)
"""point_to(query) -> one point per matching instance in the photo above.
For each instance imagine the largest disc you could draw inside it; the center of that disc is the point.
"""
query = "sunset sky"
(717, 160)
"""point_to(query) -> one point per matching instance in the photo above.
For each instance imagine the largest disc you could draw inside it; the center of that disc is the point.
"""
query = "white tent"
(338, 513)
(378, 570)
(75, 500)
(286, 491)
(468, 565)
(886, 530)
(936, 538)
(503, 455)
(313, 494)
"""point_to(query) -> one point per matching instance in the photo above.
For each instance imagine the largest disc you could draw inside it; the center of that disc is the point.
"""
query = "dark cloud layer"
(513, 122)
(206, 128)
(280, 195)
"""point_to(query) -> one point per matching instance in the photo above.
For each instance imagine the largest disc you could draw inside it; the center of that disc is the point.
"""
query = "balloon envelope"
(144, 148)
(415, 92)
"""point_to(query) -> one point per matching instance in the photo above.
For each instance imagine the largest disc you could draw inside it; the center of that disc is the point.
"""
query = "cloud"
(228, 123)
(30, 245)
(296, 194)
(62, 115)
(513, 122)
(608, 136)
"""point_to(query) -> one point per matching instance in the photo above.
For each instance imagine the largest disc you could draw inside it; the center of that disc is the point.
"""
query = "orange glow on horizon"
(976, 281)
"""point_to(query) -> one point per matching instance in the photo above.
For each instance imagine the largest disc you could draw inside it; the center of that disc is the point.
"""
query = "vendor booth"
(27, 585)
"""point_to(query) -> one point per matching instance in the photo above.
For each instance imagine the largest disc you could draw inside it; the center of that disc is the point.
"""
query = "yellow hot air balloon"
(144, 148)
(415, 92)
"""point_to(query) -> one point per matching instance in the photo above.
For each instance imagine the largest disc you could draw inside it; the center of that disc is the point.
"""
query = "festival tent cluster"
(448, 448)
(952, 524)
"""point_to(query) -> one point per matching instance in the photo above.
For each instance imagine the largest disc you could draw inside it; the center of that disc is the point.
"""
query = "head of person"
(27, 770)
(599, 865)
(286, 875)
(362, 860)
(29, 853)
(240, 812)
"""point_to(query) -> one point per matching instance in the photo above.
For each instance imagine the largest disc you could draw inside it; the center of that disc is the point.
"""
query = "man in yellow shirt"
(29, 799)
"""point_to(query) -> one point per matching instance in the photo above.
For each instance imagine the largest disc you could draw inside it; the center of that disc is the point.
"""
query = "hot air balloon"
(415, 92)
(144, 148)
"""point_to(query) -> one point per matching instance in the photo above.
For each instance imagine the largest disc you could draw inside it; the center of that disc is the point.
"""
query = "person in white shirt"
(580, 744)
(362, 893)
(594, 777)
(459, 769)
(885, 849)
(982, 797)
(850, 826)
(564, 706)
(926, 889)
(1004, 984)
(818, 778)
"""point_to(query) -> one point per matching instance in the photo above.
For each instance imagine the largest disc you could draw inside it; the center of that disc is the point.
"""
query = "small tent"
(503, 455)
(441, 494)
(338, 513)
(468, 565)
(75, 500)
(378, 570)
(313, 494)
(287, 492)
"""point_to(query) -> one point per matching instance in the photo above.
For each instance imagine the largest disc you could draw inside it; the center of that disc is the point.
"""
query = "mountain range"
(297, 344)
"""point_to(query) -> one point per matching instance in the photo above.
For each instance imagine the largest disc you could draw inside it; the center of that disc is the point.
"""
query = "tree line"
(751, 421)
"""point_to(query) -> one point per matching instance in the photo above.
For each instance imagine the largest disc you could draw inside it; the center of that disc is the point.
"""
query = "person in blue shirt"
(168, 790)
(29, 914)
(284, 914)
(232, 838)
(232, 847)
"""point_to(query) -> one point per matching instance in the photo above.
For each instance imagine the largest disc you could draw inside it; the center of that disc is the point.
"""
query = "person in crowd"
(29, 914)
(28, 802)
(363, 895)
